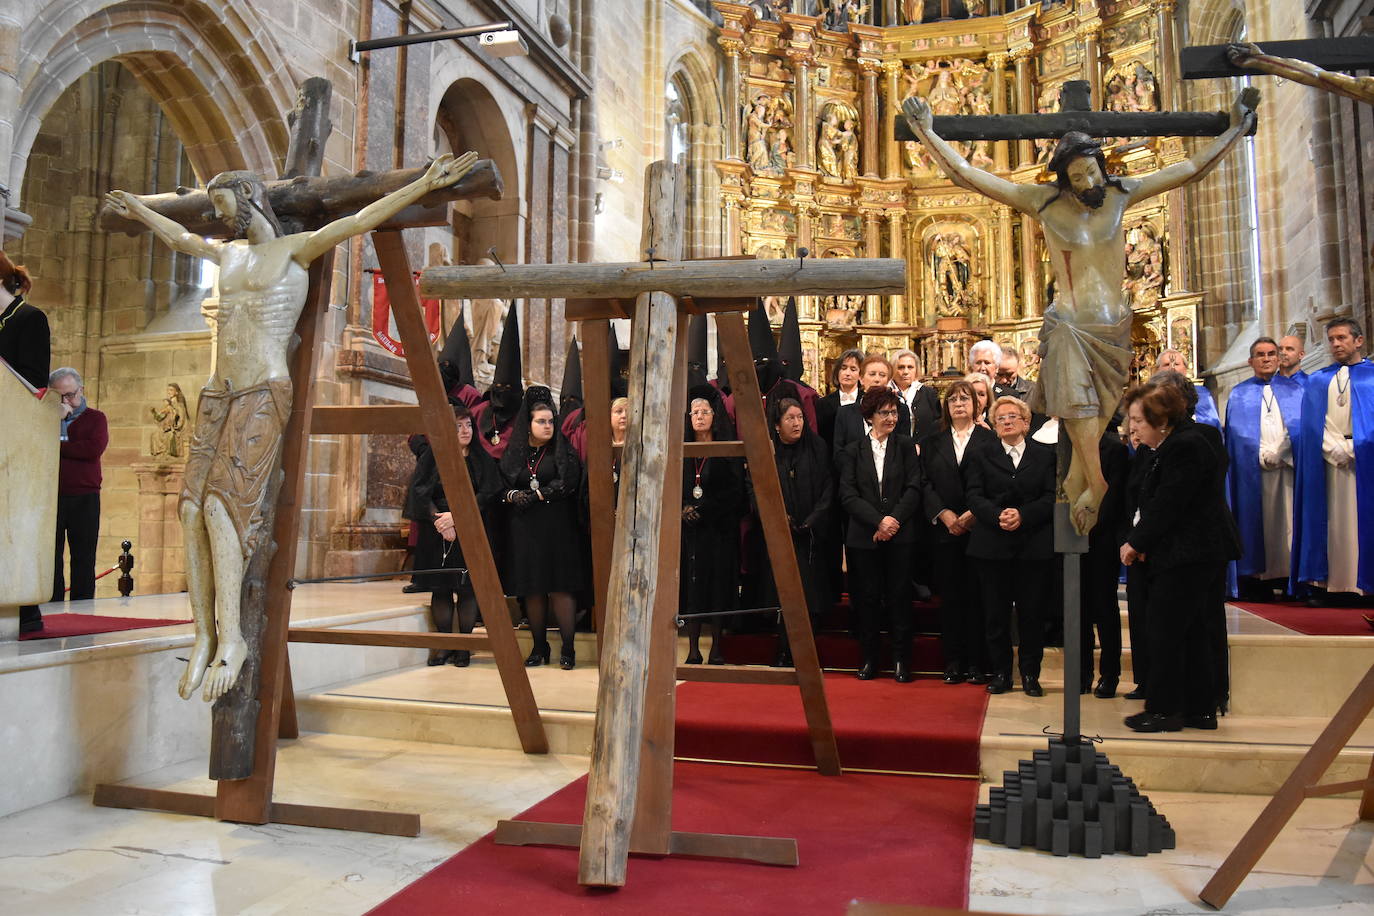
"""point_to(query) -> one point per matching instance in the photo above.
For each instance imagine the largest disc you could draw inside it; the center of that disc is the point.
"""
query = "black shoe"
(1154, 722)
(867, 671)
(1085, 688)
(30, 626)
(783, 659)
(693, 657)
(1138, 694)
(412, 589)
(1105, 689)
(975, 676)
(920, 592)
(716, 657)
(953, 675)
(1031, 685)
(539, 655)
(901, 672)
(1207, 722)
(460, 658)
(999, 684)
(567, 659)
(436, 659)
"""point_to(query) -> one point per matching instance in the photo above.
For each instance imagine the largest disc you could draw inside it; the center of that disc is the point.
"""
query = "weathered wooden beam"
(698, 279)
(736, 674)
(1054, 125)
(1201, 62)
(391, 639)
(312, 202)
(363, 419)
(634, 579)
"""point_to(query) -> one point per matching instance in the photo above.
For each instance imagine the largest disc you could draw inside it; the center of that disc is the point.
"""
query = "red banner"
(384, 329)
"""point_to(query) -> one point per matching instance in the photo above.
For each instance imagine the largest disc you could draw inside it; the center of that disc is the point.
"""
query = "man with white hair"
(1008, 381)
(85, 435)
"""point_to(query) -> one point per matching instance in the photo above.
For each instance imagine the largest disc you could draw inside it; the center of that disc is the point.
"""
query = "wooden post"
(634, 580)
(596, 362)
(1301, 784)
(453, 472)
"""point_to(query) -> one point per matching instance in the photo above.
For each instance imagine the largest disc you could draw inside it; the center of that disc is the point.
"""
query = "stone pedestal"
(159, 557)
(9, 622)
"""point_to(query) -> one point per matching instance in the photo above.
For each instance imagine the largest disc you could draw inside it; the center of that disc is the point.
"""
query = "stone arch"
(697, 81)
(468, 117)
(184, 55)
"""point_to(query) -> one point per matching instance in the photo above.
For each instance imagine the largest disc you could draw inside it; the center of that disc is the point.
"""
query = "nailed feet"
(223, 672)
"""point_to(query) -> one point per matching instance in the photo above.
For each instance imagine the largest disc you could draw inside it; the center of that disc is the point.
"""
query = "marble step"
(1246, 754)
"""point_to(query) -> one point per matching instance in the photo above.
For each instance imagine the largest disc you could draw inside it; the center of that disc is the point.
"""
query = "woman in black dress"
(713, 501)
(437, 545)
(943, 455)
(1184, 535)
(880, 490)
(808, 494)
(545, 554)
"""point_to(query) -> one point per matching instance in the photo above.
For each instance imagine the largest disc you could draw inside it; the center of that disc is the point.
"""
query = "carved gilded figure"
(244, 405)
(1248, 54)
(828, 140)
(173, 419)
(1086, 337)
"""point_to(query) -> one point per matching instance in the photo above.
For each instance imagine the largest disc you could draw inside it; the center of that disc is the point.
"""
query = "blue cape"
(1309, 491)
(1242, 444)
(1299, 376)
(1206, 411)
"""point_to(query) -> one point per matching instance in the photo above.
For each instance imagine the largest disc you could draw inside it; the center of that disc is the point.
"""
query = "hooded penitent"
(696, 351)
(619, 363)
(570, 396)
(767, 364)
(494, 418)
(455, 364)
(790, 347)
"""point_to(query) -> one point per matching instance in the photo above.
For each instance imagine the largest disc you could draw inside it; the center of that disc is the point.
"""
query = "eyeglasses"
(1008, 418)
(72, 395)
(885, 413)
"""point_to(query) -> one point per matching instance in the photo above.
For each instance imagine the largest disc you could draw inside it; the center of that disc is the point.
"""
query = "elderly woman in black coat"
(1184, 535)
(880, 490)
(713, 502)
(545, 553)
(437, 545)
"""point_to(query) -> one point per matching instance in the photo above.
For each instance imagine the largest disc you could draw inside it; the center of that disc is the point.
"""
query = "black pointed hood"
(765, 350)
(455, 360)
(696, 351)
(790, 348)
(570, 395)
(619, 361)
(507, 385)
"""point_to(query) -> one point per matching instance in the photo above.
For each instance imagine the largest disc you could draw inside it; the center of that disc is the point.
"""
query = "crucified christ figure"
(1085, 342)
(1248, 54)
(246, 401)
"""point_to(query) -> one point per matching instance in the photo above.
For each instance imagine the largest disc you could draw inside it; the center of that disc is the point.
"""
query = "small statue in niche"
(173, 419)
(782, 155)
(828, 145)
(776, 71)
(757, 125)
(839, 13)
(1144, 282)
(949, 263)
(849, 150)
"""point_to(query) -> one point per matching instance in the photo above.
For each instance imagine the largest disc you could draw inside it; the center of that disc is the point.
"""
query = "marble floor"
(69, 857)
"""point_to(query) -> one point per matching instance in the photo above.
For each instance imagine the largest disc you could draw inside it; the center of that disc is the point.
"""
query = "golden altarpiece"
(813, 162)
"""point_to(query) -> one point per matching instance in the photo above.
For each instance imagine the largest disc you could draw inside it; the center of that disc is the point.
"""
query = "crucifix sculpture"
(1085, 343)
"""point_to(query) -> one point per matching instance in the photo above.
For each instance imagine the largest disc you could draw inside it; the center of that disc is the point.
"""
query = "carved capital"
(997, 60)
(869, 66)
(1090, 31)
(733, 47)
(802, 57)
(1021, 55)
(893, 67)
(1165, 7)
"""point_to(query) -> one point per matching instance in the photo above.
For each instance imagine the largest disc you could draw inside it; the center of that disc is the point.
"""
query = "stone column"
(897, 242)
(1030, 269)
(892, 69)
(870, 136)
(732, 234)
(998, 62)
(873, 241)
(806, 118)
(1025, 149)
(733, 109)
(1168, 55)
(10, 32)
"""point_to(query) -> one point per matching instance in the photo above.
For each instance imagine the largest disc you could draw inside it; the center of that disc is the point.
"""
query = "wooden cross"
(1075, 113)
(248, 719)
(629, 792)
(1343, 54)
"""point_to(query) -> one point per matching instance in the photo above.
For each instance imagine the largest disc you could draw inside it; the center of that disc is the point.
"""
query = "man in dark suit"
(1010, 489)
(880, 490)
(922, 401)
(1009, 383)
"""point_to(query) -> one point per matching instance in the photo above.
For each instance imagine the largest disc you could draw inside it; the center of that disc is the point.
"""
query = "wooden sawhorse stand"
(249, 800)
(629, 795)
(1301, 784)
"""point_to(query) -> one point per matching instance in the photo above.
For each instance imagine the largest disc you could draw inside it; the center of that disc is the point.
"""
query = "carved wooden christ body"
(226, 506)
(1085, 340)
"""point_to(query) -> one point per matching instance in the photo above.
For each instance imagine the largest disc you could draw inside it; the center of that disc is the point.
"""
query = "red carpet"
(57, 626)
(923, 727)
(836, 650)
(1313, 621)
(898, 839)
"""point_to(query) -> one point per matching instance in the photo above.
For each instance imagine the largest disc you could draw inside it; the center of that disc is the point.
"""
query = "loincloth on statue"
(234, 453)
(1083, 367)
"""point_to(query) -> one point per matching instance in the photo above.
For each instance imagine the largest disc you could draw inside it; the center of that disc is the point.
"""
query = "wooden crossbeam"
(388, 638)
(733, 279)
(368, 419)
(1341, 54)
(736, 674)
(1053, 125)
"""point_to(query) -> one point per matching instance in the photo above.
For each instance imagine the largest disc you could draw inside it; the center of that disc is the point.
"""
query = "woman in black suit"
(24, 336)
(943, 454)
(844, 389)
(437, 545)
(880, 490)
(1184, 536)
(1010, 488)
